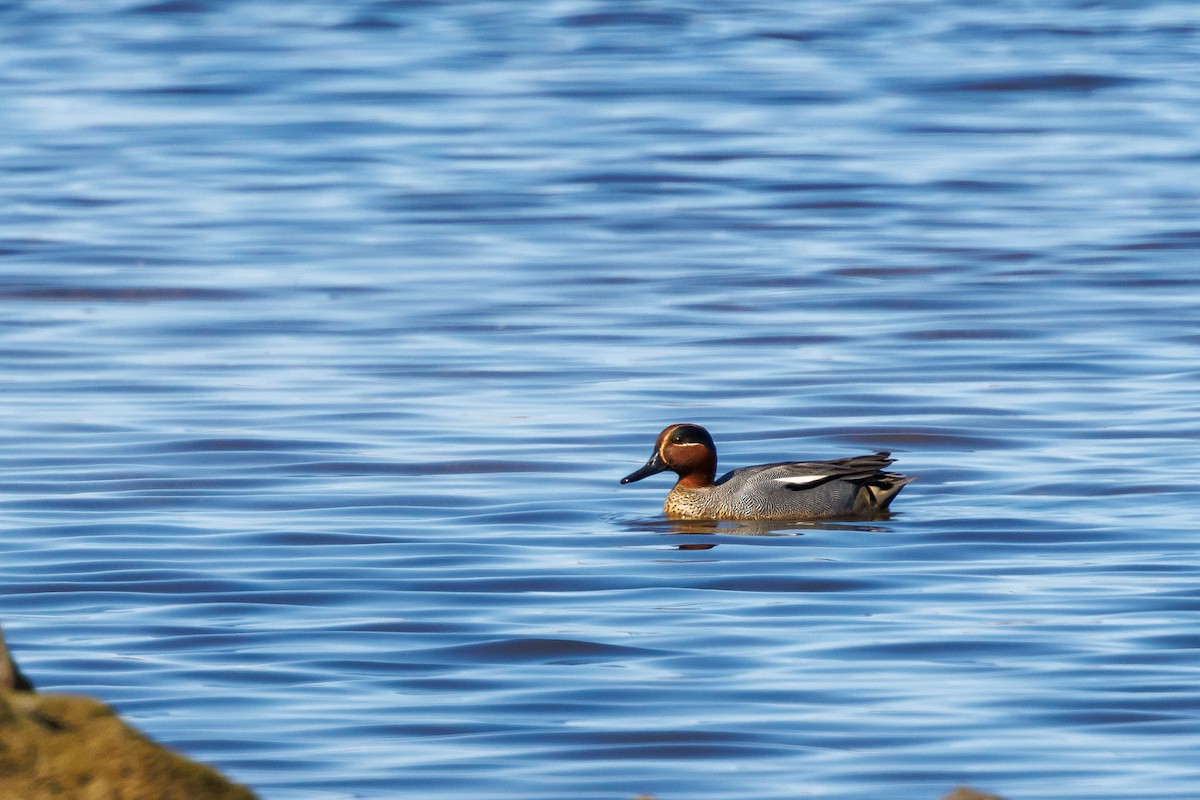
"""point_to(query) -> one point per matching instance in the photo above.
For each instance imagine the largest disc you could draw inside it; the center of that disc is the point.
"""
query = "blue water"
(328, 328)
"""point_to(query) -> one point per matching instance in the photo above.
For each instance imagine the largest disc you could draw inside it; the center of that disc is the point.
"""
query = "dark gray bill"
(652, 467)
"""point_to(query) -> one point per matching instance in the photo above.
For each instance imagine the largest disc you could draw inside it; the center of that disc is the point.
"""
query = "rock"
(62, 747)
(967, 793)
(10, 675)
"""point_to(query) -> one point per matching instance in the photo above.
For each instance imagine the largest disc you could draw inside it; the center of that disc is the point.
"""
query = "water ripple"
(329, 329)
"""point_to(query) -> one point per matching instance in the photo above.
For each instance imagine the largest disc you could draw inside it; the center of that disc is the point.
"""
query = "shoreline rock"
(67, 747)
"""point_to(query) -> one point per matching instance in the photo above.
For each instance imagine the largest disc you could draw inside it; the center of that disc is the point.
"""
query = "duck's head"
(685, 449)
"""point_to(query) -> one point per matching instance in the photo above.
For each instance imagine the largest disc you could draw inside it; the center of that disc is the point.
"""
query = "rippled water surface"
(327, 329)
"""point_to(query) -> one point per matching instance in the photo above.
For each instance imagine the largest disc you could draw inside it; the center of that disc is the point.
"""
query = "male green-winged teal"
(789, 490)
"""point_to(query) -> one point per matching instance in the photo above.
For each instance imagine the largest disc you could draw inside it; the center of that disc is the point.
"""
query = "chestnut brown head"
(685, 449)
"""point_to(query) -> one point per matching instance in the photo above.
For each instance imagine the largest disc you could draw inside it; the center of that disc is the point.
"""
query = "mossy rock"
(967, 793)
(62, 747)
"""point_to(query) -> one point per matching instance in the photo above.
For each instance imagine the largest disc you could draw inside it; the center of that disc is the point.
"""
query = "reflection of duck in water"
(790, 490)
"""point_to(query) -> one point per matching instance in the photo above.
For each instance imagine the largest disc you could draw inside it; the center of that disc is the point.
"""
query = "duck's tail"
(882, 489)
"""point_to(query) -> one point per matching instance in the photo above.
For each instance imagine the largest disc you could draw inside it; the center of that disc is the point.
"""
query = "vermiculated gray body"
(792, 490)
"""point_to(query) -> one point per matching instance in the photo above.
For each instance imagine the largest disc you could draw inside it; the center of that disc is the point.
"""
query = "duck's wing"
(800, 475)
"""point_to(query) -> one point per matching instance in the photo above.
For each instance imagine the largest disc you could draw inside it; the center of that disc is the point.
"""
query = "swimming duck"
(791, 490)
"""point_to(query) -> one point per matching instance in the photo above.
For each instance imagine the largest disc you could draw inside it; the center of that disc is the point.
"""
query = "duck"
(788, 490)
